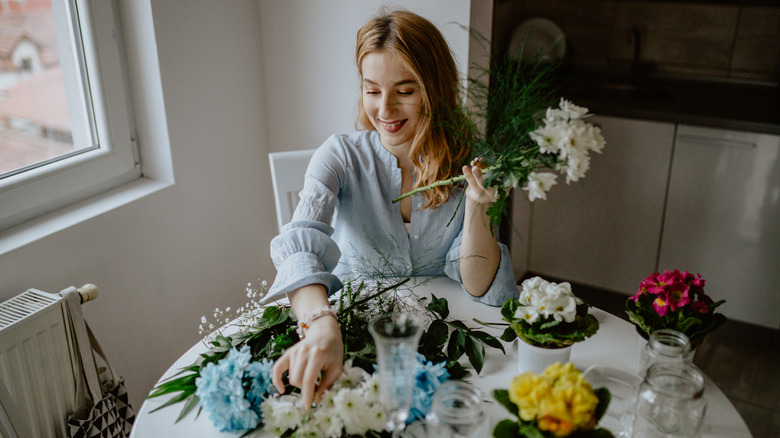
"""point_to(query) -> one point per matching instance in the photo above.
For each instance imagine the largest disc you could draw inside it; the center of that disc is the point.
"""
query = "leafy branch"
(274, 330)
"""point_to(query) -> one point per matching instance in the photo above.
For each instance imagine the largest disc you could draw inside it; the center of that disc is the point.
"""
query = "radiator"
(35, 361)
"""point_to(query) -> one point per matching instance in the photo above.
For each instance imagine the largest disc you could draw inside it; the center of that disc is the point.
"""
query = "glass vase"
(670, 402)
(396, 336)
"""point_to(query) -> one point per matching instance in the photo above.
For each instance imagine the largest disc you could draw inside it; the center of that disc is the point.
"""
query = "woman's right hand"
(314, 363)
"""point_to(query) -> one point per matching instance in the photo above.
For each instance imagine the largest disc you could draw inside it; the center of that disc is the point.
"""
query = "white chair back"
(287, 173)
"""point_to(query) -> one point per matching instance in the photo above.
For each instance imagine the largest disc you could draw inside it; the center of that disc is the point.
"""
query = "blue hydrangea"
(260, 384)
(222, 390)
(427, 377)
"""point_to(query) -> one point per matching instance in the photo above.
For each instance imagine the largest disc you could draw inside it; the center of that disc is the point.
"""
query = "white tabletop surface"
(614, 348)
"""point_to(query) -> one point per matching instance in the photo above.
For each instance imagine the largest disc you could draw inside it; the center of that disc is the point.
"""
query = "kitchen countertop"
(744, 107)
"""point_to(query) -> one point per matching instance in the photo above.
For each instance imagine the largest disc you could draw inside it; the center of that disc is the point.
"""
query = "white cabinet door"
(723, 219)
(604, 230)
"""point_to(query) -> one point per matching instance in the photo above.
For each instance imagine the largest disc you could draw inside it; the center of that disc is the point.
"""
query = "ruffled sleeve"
(304, 252)
(504, 285)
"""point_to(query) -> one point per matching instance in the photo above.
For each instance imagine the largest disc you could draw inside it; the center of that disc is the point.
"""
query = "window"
(65, 122)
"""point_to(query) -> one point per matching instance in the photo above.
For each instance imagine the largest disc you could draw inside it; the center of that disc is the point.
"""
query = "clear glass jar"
(666, 346)
(670, 402)
(456, 411)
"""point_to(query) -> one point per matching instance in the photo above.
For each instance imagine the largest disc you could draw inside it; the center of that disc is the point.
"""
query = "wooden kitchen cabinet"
(604, 230)
(723, 218)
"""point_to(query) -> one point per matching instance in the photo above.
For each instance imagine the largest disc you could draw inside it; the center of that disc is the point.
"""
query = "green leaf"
(456, 346)
(509, 335)
(506, 429)
(604, 398)
(181, 397)
(192, 401)
(528, 430)
(550, 324)
(273, 316)
(221, 344)
(475, 351)
(283, 342)
(488, 340)
(435, 337)
(457, 371)
(502, 397)
(458, 325)
(184, 383)
(439, 306)
(509, 307)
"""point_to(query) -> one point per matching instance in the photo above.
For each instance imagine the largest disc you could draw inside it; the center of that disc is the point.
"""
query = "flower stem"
(444, 182)
(370, 297)
(502, 324)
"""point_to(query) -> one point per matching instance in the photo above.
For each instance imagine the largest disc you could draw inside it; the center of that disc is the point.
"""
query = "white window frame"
(35, 192)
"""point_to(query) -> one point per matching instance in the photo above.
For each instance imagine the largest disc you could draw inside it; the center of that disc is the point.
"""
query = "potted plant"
(548, 319)
(676, 301)
(558, 402)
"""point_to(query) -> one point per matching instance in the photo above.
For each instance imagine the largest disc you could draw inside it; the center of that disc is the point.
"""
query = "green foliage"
(547, 332)
(696, 326)
(506, 101)
(274, 330)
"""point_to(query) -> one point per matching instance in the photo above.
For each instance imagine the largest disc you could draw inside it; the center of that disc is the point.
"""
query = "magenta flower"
(700, 307)
(675, 300)
(661, 304)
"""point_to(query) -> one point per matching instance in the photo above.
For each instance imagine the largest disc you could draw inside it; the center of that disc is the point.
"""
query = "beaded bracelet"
(310, 317)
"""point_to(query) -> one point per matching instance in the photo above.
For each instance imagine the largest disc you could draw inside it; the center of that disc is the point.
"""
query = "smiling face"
(391, 99)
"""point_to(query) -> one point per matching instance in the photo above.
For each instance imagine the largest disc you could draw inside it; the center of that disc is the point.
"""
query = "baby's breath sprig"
(241, 317)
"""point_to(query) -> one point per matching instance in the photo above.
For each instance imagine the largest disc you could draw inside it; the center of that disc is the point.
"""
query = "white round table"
(614, 349)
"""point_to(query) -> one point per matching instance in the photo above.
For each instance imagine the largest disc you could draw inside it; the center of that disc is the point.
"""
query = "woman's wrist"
(307, 320)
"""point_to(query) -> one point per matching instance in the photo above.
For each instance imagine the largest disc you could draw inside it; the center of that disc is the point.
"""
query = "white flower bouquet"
(232, 382)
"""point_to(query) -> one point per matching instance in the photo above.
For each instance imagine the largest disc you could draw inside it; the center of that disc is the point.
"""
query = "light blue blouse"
(368, 238)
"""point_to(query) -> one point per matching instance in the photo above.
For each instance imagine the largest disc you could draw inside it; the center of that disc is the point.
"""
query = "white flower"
(327, 399)
(328, 422)
(540, 297)
(371, 388)
(539, 184)
(549, 137)
(572, 111)
(576, 166)
(353, 411)
(377, 418)
(562, 309)
(281, 413)
(351, 377)
(527, 313)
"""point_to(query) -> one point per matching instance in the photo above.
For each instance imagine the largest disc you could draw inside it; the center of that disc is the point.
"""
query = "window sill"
(30, 231)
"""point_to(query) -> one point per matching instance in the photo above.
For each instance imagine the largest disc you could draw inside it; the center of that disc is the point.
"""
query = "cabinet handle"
(716, 141)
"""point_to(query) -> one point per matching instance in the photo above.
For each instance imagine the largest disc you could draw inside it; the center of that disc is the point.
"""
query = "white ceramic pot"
(536, 359)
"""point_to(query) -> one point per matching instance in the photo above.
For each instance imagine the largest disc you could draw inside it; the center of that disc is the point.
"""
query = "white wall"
(238, 79)
(312, 86)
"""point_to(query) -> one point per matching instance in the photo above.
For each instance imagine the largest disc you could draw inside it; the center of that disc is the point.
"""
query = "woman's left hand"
(476, 191)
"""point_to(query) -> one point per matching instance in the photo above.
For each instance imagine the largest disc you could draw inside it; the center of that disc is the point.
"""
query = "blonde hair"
(440, 145)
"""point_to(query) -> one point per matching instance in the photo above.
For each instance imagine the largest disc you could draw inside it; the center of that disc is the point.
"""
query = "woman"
(409, 87)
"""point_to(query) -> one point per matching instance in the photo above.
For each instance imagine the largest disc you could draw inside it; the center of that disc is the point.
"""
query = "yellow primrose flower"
(556, 426)
(560, 399)
(527, 391)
